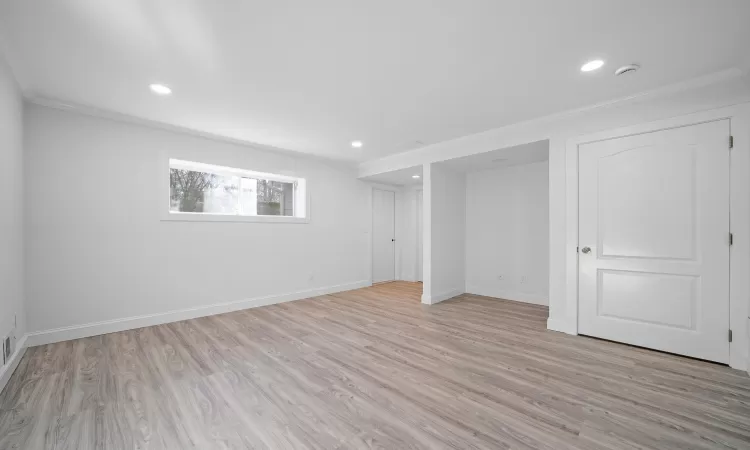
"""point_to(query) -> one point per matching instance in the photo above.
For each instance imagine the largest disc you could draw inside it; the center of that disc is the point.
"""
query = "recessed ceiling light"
(160, 89)
(415, 176)
(357, 144)
(592, 65)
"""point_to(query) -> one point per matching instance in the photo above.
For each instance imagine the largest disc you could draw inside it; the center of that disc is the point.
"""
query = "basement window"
(205, 192)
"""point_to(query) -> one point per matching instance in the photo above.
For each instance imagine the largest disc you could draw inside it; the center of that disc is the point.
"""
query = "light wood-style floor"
(371, 368)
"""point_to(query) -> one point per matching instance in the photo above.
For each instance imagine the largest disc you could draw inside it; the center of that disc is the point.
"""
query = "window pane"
(198, 188)
(202, 192)
(272, 198)
(249, 197)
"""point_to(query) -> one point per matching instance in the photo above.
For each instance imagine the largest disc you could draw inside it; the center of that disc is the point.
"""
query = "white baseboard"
(563, 326)
(129, 323)
(7, 370)
(437, 298)
(509, 295)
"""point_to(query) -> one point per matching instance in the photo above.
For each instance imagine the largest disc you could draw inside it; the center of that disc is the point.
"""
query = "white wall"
(11, 212)
(507, 233)
(98, 251)
(713, 91)
(447, 216)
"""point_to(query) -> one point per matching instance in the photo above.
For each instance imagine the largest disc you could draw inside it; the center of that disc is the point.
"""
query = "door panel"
(662, 299)
(383, 235)
(635, 222)
(654, 212)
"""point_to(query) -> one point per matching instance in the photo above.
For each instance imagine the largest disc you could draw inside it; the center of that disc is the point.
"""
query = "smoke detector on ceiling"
(627, 69)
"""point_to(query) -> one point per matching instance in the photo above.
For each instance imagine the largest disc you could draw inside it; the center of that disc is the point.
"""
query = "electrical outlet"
(500, 277)
(523, 279)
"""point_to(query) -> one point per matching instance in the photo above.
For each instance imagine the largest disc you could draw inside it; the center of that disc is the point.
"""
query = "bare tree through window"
(192, 191)
(271, 196)
(204, 192)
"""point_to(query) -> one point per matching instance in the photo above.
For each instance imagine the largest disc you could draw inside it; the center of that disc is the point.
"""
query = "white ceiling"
(311, 76)
(402, 177)
(504, 157)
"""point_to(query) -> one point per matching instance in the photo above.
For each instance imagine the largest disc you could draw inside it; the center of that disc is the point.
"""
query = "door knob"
(586, 249)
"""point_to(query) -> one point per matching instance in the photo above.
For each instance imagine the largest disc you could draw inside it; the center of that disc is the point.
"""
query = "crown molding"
(63, 105)
(695, 83)
(674, 88)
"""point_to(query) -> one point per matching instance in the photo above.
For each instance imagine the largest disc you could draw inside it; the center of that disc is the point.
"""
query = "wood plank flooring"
(371, 368)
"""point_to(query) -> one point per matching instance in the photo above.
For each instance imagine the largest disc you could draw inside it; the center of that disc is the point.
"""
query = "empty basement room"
(481, 224)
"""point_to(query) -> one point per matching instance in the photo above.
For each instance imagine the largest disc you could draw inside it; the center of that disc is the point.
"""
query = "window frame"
(301, 194)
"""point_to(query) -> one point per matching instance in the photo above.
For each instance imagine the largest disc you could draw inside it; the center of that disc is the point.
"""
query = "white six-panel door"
(383, 236)
(654, 240)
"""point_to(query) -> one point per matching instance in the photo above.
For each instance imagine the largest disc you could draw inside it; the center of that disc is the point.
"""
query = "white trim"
(176, 163)
(433, 299)
(7, 370)
(165, 215)
(129, 323)
(561, 326)
(419, 225)
(739, 116)
(171, 216)
(383, 187)
(739, 224)
(92, 111)
(426, 233)
(522, 297)
(571, 237)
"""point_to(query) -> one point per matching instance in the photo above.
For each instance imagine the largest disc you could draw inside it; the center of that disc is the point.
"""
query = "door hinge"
(731, 141)
(577, 250)
(730, 335)
(731, 239)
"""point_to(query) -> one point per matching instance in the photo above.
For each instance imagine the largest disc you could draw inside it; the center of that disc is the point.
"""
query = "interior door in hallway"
(383, 236)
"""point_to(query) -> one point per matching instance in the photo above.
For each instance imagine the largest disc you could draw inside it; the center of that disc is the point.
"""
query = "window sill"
(189, 217)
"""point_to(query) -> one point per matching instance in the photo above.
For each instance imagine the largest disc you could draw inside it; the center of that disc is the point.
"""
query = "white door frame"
(396, 247)
(739, 254)
(420, 234)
